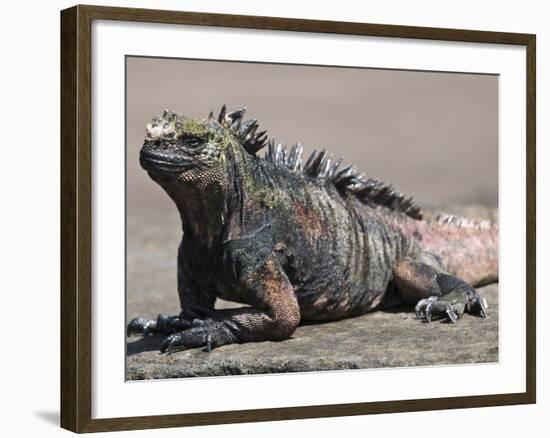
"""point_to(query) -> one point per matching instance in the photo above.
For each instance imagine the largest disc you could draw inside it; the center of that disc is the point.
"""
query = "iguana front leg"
(436, 293)
(193, 308)
(274, 314)
(196, 301)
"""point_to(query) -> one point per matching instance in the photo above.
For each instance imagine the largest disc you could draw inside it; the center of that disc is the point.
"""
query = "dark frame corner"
(76, 340)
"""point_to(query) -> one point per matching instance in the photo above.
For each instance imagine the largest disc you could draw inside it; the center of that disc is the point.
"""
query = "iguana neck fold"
(202, 215)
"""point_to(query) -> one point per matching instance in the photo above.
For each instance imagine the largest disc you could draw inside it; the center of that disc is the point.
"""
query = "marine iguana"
(298, 242)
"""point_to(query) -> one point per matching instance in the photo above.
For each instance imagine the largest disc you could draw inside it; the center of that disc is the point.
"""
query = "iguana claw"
(203, 333)
(435, 307)
(163, 324)
(140, 326)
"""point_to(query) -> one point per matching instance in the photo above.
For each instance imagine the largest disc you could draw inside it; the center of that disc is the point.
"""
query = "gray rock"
(380, 339)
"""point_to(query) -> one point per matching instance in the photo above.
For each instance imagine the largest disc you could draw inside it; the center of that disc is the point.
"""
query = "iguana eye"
(192, 142)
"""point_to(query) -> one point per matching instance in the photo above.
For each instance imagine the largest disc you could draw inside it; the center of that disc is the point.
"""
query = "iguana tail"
(467, 248)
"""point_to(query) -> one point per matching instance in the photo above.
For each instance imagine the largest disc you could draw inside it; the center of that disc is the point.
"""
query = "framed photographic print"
(342, 214)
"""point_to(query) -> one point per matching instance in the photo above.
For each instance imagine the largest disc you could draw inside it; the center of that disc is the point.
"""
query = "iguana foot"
(203, 333)
(436, 293)
(163, 324)
(451, 306)
(434, 308)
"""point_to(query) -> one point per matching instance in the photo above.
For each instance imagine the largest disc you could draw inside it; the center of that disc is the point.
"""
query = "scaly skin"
(297, 243)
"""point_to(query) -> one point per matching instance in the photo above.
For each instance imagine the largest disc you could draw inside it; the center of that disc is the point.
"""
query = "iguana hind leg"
(435, 293)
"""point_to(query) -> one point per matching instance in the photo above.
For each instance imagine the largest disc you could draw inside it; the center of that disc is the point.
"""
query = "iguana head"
(195, 152)
(197, 162)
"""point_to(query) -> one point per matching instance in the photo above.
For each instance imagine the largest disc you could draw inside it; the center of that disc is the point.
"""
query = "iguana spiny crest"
(182, 143)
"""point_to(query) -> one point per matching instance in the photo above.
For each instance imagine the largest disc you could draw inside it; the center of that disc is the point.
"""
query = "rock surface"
(380, 339)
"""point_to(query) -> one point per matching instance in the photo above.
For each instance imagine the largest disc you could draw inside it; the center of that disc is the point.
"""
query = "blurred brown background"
(433, 135)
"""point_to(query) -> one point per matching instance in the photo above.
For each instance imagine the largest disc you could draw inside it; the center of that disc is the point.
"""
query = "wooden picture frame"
(76, 217)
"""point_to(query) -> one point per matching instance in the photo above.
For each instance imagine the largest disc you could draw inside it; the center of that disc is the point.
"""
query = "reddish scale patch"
(283, 314)
(467, 252)
(309, 220)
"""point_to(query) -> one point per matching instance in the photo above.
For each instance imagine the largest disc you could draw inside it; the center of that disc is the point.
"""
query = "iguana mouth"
(158, 162)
